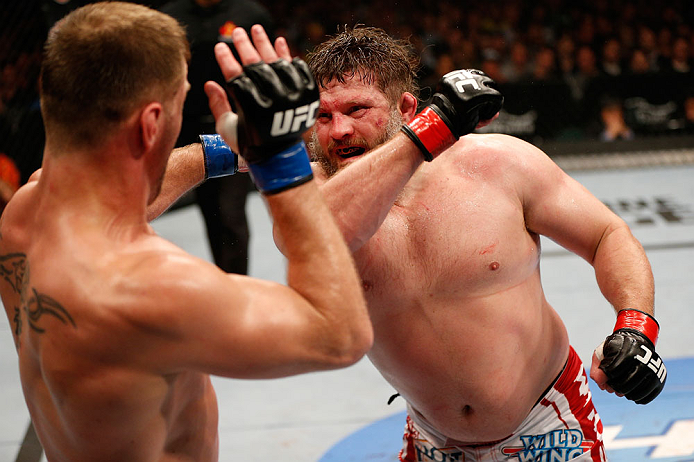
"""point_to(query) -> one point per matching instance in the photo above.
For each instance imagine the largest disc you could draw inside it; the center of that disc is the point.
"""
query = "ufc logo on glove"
(463, 77)
(291, 120)
(655, 364)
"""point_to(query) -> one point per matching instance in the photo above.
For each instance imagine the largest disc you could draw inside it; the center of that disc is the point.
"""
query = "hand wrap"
(462, 99)
(629, 359)
(276, 103)
(220, 160)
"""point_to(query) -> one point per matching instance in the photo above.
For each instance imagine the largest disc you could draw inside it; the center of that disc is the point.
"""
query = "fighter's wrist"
(220, 160)
(639, 321)
(430, 132)
(286, 169)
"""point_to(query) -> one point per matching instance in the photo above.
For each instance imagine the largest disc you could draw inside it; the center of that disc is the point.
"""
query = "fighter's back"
(87, 352)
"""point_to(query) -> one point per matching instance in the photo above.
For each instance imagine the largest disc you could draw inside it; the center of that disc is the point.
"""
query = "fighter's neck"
(98, 186)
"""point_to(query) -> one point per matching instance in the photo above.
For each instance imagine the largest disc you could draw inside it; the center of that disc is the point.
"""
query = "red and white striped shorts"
(563, 426)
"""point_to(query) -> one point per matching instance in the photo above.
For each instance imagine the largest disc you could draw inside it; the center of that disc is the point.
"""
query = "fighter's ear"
(407, 106)
(150, 122)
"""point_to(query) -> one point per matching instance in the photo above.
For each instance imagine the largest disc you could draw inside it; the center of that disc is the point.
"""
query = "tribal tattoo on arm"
(14, 270)
(13, 267)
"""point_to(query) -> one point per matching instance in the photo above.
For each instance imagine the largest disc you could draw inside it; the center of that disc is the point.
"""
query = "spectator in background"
(611, 62)
(221, 200)
(665, 39)
(545, 65)
(649, 46)
(585, 35)
(539, 34)
(566, 54)
(614, 126)
(638, 63)
(681, 60)
(517, 66)
(586, 70)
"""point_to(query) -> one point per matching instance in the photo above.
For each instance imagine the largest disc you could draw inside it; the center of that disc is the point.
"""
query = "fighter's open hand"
(216, 95)
(276, 102)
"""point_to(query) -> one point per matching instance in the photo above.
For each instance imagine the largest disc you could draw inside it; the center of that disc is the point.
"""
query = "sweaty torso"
(462, 328)
(88, 373)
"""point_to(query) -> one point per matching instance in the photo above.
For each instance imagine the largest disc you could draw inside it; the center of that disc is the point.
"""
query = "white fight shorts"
(562, 426)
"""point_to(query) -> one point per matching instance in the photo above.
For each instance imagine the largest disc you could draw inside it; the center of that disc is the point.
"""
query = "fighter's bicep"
(559, 207)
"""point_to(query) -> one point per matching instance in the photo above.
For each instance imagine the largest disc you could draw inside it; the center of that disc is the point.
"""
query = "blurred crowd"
(517, 42)
(514, 40)
(609, 69)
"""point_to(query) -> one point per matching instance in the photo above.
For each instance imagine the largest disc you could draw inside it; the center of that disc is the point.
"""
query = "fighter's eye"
(357, 110)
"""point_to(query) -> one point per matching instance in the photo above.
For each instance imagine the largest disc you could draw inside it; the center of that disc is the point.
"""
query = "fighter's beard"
(331, 166)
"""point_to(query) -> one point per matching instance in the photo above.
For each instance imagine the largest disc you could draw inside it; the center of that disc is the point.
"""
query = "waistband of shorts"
(568, 374)
(556, 379)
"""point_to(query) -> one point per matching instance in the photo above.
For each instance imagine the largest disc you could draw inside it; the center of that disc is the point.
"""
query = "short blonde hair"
(104, 59)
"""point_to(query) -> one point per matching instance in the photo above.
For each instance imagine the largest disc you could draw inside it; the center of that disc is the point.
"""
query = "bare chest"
(449, 236)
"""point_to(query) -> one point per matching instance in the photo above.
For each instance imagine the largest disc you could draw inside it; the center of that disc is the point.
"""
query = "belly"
(471, 366)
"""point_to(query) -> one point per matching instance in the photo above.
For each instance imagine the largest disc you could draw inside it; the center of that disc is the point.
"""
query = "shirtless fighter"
(448, 251)
(116, 329)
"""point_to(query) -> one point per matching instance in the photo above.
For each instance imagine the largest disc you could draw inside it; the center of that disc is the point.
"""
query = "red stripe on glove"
(432, 131)
(639, 321)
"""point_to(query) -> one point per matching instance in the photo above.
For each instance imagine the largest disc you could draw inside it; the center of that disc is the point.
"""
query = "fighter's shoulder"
(495, 143)
(158, 262)
(17, 213)
(162, 283)
(501, 149)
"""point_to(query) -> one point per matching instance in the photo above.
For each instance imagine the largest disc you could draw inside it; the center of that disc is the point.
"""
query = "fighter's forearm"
(184, 171)
(320, 268)
(361, 195)
(623, 271)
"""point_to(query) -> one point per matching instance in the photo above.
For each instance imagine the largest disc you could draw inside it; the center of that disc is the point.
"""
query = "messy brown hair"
(103, 60)
(372, 55)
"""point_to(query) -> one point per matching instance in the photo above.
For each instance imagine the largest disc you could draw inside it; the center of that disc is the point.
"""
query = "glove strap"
(430, 133)
(638, 321)
(285, 170)
(220, 160)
